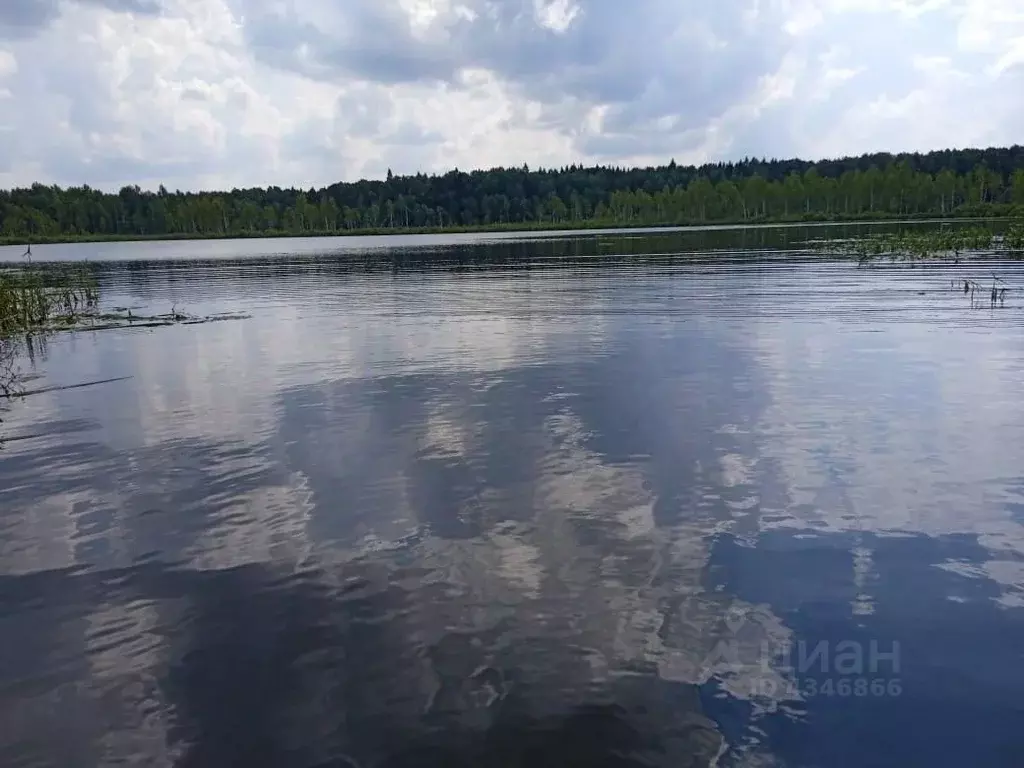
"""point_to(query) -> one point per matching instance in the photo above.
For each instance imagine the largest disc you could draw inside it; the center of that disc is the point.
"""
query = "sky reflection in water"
(463, 513)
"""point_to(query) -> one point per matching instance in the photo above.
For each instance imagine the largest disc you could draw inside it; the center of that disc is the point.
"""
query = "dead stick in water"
(68, 386)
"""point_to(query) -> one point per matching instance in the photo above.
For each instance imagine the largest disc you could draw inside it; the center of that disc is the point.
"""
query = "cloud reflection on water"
(460, 516)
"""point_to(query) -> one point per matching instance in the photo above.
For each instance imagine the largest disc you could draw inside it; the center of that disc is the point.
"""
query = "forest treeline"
(949, 182)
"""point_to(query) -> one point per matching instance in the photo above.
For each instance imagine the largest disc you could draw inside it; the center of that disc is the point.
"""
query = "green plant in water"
(913, 246)
(1013, 240)
(36, 297)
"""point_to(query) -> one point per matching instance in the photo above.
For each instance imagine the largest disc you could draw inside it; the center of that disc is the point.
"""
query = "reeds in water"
(977, 290)
(37, 297)
(941, 244)
(1013, 240)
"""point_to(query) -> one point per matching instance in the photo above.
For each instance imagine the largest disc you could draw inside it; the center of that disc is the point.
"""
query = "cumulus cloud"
(20, 18)
(657, 65)
(208, 93)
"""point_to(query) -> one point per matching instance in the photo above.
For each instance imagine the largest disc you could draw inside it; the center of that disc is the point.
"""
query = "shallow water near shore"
(625, 498)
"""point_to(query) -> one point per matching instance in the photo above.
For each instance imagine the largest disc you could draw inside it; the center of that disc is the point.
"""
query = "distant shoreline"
(556, 226)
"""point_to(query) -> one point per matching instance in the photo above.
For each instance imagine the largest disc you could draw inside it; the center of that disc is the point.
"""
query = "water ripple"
(586, 499)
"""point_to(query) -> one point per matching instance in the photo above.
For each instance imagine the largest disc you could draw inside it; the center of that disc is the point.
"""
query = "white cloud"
(555, 15)
(8, 64)
(220, 93)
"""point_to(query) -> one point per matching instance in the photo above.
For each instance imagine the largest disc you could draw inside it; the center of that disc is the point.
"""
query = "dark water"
(625, 499)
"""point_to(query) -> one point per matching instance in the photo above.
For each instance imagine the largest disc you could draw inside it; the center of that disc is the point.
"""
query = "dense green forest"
(967, 182)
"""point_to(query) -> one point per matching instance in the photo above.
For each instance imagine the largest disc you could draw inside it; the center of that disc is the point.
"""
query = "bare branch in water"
(27, 392)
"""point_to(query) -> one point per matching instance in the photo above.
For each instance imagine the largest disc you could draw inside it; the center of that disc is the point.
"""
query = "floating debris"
(126, 319)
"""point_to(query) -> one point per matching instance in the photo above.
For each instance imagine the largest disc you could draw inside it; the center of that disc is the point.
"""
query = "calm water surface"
(641, 498)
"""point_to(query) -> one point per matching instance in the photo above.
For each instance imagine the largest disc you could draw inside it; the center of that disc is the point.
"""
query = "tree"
(729, 201)
(793, 193)
(1018, 186)
(557, 208)
(699, 192)
(873, 183)
(937, 183)
(945, 188)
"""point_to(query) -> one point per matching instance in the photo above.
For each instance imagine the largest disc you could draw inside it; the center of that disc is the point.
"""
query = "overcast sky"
(222, 93)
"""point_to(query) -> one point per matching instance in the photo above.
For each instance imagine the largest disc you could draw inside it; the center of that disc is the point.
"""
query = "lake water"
(639, 498)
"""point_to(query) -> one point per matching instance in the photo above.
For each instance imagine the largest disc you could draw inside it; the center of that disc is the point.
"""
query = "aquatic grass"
(915, 246)
(980, 290)
(1013, 240)
(34, 297)
(39, 300)
(942, 245)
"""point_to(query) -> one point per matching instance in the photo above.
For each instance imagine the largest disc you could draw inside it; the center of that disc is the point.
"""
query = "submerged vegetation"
(960, 183)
